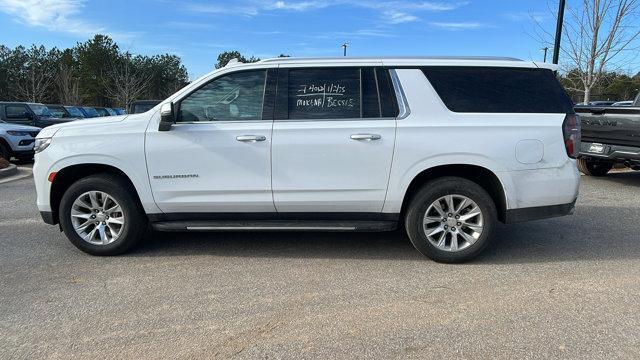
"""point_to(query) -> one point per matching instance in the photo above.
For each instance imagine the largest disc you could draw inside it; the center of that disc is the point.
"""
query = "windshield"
(120, 111)
(74, 111)
(91, 112)
(140, 108)
(57, 111)
(40, 110)
(102, 112)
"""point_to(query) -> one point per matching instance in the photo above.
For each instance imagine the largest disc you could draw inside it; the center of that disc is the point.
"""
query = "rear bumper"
(611, 152)
(539, 212)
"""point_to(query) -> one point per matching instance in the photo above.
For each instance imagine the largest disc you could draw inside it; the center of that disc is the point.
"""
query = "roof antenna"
(344, 47)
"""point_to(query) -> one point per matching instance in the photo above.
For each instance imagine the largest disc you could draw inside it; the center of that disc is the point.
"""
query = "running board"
(274, 225)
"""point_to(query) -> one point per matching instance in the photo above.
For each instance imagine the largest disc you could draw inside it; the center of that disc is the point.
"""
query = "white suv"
(445, 147)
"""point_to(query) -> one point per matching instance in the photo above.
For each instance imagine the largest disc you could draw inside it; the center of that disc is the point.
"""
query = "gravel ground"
(559, 288)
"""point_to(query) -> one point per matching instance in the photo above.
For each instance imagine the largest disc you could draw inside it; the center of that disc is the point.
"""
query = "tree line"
(93, 73)
(611, 85)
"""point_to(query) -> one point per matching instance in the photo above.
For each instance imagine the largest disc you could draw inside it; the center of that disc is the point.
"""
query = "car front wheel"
(100, 216)
(451, 220)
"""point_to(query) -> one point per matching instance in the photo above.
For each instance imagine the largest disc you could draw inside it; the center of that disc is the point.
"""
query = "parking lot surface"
(559, 288)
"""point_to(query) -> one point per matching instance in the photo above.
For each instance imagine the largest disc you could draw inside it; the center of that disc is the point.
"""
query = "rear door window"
(334, 93)
(324, 93)
(498, 90)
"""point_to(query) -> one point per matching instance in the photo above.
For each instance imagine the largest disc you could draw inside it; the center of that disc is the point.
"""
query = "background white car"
(17, 140)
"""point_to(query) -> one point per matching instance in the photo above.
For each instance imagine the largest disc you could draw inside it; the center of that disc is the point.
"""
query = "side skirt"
(275, 225)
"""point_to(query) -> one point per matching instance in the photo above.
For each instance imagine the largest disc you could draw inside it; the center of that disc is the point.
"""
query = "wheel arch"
(482, 176)
(66, 176)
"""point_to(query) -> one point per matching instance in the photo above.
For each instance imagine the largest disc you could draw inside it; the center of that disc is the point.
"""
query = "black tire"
(5, 152)
(135, 223)
(431, 192)
(594, 168)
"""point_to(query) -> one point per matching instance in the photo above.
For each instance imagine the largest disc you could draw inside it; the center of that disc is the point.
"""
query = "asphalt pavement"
(559, 288)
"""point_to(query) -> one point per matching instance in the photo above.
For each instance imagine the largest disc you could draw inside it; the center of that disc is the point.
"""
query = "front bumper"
(611, 152)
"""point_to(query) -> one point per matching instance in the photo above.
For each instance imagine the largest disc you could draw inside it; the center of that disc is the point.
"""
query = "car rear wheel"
(451, 220)
(594, 168)
(100, 216)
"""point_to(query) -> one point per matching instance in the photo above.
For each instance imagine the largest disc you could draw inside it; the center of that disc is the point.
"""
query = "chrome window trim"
(403, 105)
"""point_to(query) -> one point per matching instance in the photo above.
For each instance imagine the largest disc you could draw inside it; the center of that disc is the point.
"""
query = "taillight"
(571, 132)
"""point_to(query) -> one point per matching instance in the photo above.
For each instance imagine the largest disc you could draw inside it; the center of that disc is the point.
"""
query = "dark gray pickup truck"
(610, 136)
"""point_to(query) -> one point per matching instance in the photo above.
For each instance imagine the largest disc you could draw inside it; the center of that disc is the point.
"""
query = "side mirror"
(167, 117)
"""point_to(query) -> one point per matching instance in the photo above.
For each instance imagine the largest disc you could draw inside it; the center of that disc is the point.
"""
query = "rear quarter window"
(498, 90)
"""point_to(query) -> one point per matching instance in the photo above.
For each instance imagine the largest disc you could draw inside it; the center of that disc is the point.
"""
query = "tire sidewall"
(114, 188)
(435, 190)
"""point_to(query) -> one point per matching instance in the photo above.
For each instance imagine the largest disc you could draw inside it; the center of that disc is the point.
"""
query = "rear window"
(498, 90)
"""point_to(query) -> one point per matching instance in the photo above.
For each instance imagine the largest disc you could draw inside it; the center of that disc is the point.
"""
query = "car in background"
(64, 112)
(120, 111)
(602, 103)
(33, 114)
(75, 111)
(623, 103)
(105, 111)
(17, 140)
(89, 112)
(610, 137)
(141, 106)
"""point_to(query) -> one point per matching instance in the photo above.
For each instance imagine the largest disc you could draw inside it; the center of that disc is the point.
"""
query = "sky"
(198, 30)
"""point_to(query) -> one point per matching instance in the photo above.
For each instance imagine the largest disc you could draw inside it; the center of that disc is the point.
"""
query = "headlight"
(17, 133)
(41, 144)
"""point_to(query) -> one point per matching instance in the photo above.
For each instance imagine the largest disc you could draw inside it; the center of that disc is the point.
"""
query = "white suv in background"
(444, 147)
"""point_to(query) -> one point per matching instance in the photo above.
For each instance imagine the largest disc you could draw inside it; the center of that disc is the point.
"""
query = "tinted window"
(388, 101)
(40, 110)
(499, 90)
(324, 93)
(57, 111)
(16, 111)
(90, 112)
(74, 111)
(102, 112)
(140, 108)
(237, 96)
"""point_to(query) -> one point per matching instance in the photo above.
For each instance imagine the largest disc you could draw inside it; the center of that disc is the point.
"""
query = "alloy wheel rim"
(97, 218)
(453, 223)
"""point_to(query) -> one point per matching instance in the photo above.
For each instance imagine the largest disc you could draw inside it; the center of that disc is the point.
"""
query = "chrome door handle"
(365, 137)
(251, 138)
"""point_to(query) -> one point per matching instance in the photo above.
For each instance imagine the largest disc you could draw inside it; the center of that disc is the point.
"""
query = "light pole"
(556, 45)
(344, 47)
(545, 49)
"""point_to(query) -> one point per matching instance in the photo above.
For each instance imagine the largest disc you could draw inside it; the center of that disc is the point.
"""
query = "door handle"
(365, 137)
(251, 138)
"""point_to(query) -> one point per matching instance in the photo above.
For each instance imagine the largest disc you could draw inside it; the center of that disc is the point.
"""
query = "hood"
(49, 131)
(17, 127)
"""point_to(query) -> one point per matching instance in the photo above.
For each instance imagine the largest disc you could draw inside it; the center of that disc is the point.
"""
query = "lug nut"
(445, 227)
(457, 216)
(459, 224)
(453, 229)
(450, 214)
